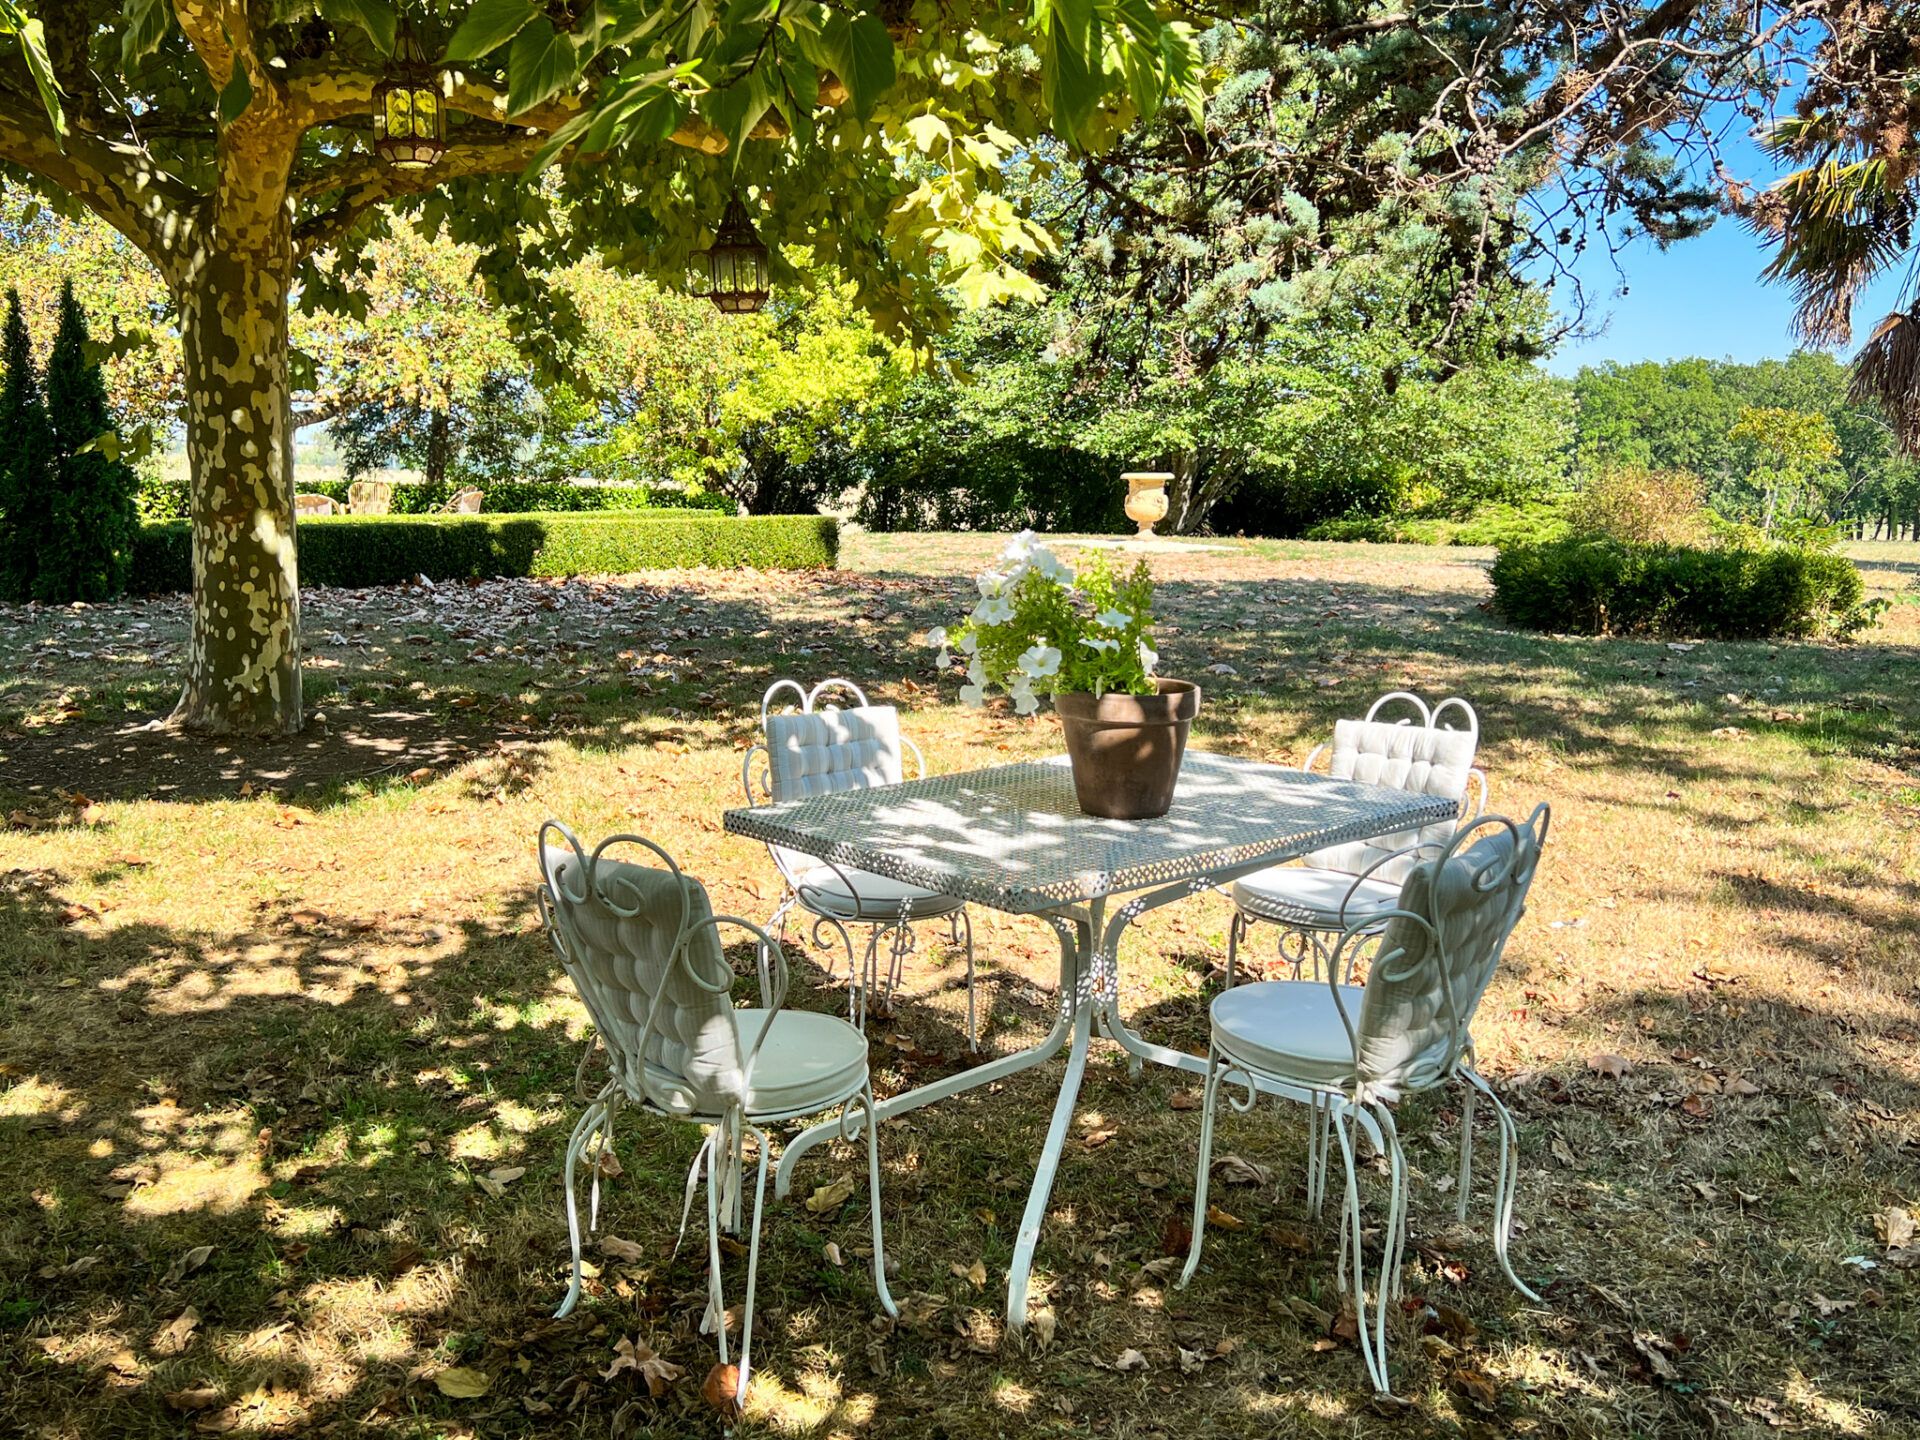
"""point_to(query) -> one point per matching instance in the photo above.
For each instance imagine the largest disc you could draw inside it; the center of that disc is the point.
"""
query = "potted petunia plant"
(1086, 641)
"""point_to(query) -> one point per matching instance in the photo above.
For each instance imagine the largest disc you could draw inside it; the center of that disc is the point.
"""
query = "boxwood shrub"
(165, 498)
(359, 550)
(1597, 586)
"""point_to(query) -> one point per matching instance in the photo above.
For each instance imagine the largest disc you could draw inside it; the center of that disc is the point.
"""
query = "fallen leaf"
(1226, 1221)
(832, 1251)
(1185, 1100)
(719, 1387)
(1238, 1170)
(202, 1397)
(609, 1165)
(974, 1274)
(1285, 1237)
(1562, 1152)
(506, 1174)
(1612, 1066)
(462, 1382)
(178, 1333)
(1895, 1227)
(641, 1358)
(831, 1197)
(188, 1263)
(1475, 1386)
(1130, 1360)
(1043, 1324)
(624, 1251)
(1697, 1107)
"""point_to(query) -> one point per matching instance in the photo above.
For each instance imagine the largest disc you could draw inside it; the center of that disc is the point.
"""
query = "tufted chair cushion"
(672, 1042)
(826, 751)
(1406, 757)
(1418, 1008)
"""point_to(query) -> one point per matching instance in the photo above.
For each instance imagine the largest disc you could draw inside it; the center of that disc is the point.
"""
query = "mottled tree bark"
(243, 658)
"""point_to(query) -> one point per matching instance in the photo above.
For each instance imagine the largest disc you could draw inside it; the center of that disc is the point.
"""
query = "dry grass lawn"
(286, 1068)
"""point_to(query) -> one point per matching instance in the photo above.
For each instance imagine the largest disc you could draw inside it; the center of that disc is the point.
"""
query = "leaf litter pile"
(286, 1069)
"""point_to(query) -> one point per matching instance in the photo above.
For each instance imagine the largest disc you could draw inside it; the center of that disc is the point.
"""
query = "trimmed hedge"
(1593, 586)
(166, 499)
(360, 550)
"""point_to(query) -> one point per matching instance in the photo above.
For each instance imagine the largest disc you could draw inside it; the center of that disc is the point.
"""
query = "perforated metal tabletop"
(1014, 838)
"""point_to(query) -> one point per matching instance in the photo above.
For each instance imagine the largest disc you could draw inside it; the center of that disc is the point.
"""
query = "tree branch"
(221, 33)
(366, 182)
(322, 95)
(120, 183)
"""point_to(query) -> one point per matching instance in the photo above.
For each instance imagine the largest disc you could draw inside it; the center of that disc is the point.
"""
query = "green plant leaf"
(862, 56)
(236, 94)
(33, 46)
(376, 17)
(488, 26)
(144, 24)
(541, 61)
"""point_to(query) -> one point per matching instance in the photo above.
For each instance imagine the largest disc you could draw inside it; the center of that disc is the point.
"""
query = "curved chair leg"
(1465, 1181)
(715, 1318)
(1372, 1354)
(1395, 1240)
(1209, 1096)
(591, 1118)
(1236, 932)
(1506, 1183)
(753, 1270)
(861, 986)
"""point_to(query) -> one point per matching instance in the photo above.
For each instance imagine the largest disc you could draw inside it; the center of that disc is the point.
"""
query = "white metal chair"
(1353, 1052)
(642, 947)
(813, 750)
(1344, 884)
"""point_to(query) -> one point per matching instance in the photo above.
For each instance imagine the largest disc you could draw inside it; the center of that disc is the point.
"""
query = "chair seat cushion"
(1288, 1028)
(809, 1062)
(823, 891)
(1305, 895)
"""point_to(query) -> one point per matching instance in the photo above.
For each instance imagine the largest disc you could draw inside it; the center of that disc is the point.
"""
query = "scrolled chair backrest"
(1427, 758)
(642, 948)
(1439, 952)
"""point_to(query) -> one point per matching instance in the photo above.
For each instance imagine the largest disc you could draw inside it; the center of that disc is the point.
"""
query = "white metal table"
(1014, 838)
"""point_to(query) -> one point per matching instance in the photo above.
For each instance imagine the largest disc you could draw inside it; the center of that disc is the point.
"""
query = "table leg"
(1042, 1190)
(1073, 944)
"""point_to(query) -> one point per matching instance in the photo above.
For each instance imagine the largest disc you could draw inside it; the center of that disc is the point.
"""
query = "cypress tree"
(93, 518)
(26, 460)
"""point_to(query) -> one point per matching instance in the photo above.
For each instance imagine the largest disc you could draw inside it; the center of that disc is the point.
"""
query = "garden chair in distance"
(1330, 889)
(642, 946)
(813, 750)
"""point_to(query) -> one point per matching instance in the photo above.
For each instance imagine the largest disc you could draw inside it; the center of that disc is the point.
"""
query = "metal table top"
(1013, 837)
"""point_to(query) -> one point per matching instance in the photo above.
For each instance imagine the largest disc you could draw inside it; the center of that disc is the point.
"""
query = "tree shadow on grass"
(419, 689)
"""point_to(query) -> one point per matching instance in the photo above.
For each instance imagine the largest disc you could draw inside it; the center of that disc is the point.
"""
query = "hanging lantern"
(409, 125)
(737, 264)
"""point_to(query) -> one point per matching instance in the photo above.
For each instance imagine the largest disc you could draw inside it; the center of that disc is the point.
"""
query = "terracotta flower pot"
(1126, 749)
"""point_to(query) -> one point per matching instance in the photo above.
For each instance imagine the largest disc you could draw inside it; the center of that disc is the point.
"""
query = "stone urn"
(1147, 498)
(1126, 749)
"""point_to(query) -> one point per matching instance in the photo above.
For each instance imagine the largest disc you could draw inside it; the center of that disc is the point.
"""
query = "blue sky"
(1699, 297)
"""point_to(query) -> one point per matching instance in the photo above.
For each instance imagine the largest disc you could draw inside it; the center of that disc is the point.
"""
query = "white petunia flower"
(977, 671)
(1102, 643)
(969, 643)
(991, 583)
(938, 637)
(975, 695)
(1113, 619)
(993, 610)
(1040, 661)
(1021, 693)
(1149, 657)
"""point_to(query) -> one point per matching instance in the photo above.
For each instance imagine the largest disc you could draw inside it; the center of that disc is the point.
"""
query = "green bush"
(165, 498)
(1597, 586)
(359, 550)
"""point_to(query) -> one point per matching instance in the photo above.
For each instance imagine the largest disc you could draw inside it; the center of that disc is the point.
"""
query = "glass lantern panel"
(426, 112)
(399, 115)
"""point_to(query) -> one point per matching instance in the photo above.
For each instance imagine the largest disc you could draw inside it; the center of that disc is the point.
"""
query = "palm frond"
(1886, 372)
